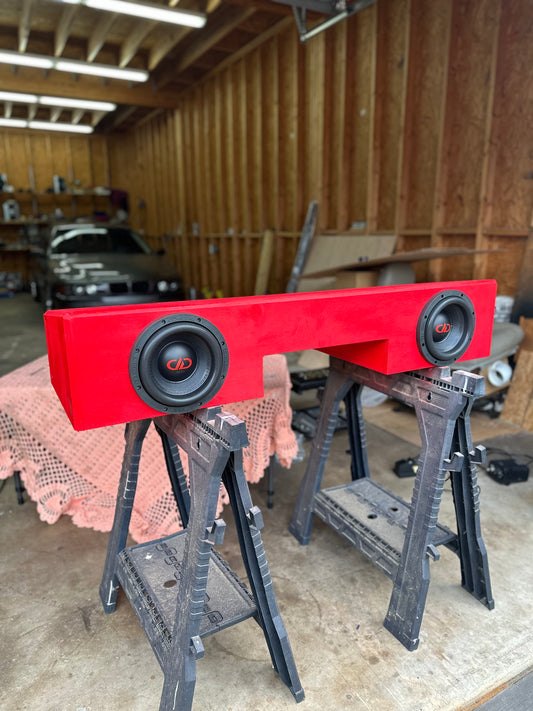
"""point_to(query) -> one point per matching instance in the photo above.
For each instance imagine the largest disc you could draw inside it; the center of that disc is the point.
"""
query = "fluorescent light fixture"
(64, 102)
(13, 123)
(18, 98)
(50, 126)
(73, 103)
(26, 60)
(46, 125)
(73, 66)
(100, 70)
(146, 10)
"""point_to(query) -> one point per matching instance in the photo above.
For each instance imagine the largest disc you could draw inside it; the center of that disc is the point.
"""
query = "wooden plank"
(405, 147)
(441, 168)
(98, 35)
(265, 263)
(335, 192)
(488, 166)
(428, 43)
(254, 123)
(288, 128)
(471, 52)
(390, 81)
(520, 391)
(229, 183)
(315, 79)
(512, 171)
(506, 268)
(374, 118)
(270, 133)
(218, 167)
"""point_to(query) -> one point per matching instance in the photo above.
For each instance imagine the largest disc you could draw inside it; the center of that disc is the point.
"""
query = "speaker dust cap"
(178, 363)
(446, 327)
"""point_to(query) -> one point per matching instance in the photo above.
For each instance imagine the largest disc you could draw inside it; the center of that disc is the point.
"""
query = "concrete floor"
(60, 652)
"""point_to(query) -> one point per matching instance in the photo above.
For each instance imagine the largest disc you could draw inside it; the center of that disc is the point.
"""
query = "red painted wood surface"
(89, 348)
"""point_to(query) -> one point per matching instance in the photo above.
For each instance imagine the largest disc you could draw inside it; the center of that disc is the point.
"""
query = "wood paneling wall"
(411, 117)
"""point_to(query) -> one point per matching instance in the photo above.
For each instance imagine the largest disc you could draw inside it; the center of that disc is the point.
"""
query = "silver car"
(100, 265)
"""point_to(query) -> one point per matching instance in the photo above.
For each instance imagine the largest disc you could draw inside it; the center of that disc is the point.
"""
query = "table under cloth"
(77, 473)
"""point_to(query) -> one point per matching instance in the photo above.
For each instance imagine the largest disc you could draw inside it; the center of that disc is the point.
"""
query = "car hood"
(105, 268)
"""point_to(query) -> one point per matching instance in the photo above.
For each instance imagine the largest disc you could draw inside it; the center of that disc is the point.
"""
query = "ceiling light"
(147, 11)
(18, 98)
(50, 126)
(26, 60)
(73, 103)
(100, 70)
(13, 123)
(72, 65)
(62, 101)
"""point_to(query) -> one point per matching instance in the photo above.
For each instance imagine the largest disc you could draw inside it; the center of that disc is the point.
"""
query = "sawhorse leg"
(337, 386)
(135, 433)
(176, 475)
(249, 522)
(471, 548)
(205, 472)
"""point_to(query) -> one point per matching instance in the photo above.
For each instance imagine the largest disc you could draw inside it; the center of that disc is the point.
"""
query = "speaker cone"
(178, 363)
(446, 327)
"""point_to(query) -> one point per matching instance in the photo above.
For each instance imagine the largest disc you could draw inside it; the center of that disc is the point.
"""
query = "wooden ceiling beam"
(24, 24)
(97, 116)
(160, 49)
(55, 113)
(61, 84)
(99, 34)
(113, 120)
(63, 29)
(77, 115)
(170, 37)
(215, 30)
(134, 40)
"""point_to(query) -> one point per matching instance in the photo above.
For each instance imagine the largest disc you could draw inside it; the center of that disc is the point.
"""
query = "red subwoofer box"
(119, 364)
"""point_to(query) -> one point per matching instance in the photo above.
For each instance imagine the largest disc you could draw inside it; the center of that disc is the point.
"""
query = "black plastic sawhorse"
(179, 586)
(399, 538)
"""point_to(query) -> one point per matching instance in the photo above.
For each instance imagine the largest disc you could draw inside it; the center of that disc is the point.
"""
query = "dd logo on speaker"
(179, 363)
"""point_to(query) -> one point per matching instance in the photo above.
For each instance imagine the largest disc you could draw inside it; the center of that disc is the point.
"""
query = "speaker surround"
(446, 327)
(178, 363)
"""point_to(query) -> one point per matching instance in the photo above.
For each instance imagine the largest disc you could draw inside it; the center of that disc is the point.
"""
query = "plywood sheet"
(333, 252)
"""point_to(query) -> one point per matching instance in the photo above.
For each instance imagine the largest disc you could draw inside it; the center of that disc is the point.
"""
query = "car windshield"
(95, 240)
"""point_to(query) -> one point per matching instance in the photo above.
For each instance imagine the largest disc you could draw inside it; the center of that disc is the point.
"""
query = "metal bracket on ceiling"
(339, 10)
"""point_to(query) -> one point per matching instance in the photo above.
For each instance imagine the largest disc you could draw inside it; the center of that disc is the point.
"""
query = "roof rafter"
(24, 24)
(63, 29)
(99, 34)
(134, 40)
(213, 33)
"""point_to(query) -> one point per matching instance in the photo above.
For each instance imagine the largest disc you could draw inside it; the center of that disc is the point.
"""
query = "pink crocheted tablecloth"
(77, 473)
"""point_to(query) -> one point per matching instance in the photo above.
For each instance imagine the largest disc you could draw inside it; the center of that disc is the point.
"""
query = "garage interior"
(399, 127)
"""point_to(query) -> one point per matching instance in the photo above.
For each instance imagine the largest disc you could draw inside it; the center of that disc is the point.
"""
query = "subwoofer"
(119, 364)
(446, 327)
(178, 363)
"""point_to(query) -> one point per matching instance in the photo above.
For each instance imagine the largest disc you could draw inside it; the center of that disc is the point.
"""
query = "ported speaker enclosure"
(90, 349)
(179, 363)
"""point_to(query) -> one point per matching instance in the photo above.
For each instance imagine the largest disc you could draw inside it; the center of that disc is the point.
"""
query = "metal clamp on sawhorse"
(399, 538)
(179, 586)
